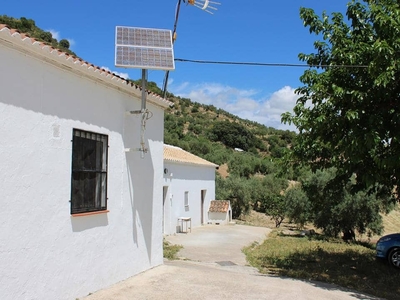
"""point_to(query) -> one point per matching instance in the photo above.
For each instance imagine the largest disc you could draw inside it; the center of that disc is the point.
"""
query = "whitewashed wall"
(45, 253)
(191, 178)
(218, 218)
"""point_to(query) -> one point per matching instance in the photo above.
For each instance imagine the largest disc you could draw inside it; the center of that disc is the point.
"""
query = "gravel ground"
(212, 266)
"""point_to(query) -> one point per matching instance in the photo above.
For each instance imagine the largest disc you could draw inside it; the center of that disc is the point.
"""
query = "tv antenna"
(205, 5)
(143, 48)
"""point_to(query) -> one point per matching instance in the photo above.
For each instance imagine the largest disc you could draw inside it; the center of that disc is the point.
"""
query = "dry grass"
(329, 260)
(261, 220)
(256, 219)
(351, 266)
(170, 251)
(391, 221)
(223, 170)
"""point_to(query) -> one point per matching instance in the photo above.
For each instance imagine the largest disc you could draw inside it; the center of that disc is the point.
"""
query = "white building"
(220, 212)
(189, 186)
(78, 212)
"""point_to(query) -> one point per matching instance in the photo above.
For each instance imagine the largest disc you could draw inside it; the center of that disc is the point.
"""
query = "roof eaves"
(210, 164)
(15, 38)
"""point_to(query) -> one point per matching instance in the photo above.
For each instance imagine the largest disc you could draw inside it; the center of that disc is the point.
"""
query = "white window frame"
(186, 199)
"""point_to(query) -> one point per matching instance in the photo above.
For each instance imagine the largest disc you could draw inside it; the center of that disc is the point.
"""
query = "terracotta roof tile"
(221, 206)
(15, 37)
(176, 154)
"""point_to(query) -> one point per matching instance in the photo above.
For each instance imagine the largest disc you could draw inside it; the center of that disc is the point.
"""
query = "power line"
(266, 64)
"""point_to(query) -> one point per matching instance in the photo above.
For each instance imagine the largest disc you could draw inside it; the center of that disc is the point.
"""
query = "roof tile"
(176, 154)
(221, 206)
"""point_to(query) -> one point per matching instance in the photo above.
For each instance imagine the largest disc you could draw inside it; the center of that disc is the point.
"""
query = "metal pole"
(144, 80)
(144, 114)
(173, 41)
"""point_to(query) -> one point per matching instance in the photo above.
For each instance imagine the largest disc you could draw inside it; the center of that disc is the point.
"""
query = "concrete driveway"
(213, 267)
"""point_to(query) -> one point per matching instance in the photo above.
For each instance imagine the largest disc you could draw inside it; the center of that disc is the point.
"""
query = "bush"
(170, 251)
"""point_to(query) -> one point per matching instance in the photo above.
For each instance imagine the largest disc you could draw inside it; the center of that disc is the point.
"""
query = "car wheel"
(394, 258)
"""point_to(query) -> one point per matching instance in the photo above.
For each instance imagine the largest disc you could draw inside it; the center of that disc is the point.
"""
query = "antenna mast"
(202, 4)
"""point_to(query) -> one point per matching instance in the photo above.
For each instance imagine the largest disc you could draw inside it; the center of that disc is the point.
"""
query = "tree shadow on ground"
(349, 269)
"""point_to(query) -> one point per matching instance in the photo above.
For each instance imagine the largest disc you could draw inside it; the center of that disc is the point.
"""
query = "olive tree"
(348, 111)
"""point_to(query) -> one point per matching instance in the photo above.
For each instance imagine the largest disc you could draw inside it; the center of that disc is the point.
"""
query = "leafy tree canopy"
(349, 117)
(64, 44)
(234, 135)
(334, 209)
(29, 27)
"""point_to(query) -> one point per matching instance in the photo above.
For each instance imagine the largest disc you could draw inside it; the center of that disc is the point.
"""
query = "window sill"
(90, 213)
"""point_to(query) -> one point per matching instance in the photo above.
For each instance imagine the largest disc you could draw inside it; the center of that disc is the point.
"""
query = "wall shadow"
(140, 173)
(88, 222)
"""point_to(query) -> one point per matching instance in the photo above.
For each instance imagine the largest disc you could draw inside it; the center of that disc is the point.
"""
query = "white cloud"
(247, 104)
(71, 43)
(55, 34)
(123, 75)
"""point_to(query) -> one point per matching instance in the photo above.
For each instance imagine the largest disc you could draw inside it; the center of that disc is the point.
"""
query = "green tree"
(236, 190)
(46, 36)
(64, 44)
(271, 201)
(29, 27)
(234, 135)
(348, 111)
(297, 206)
(335, 209)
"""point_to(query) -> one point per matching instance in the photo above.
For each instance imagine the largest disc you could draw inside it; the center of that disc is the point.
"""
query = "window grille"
(89, 172)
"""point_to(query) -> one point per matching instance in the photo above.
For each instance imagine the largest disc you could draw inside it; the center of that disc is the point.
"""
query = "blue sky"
(242, 31)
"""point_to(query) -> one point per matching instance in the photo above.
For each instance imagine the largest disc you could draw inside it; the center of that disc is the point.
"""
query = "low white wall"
(191, 178)
(45, 252)
(218, 218)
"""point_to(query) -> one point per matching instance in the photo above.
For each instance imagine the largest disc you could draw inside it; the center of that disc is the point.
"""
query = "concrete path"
(213, 243)
(216, 269)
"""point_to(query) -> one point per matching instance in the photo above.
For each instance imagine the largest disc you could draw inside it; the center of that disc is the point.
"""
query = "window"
(89, 172)
(186, 199)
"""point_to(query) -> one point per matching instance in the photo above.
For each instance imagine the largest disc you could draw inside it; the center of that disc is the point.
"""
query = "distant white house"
(220, 212)
(189, 187)
(78, 212)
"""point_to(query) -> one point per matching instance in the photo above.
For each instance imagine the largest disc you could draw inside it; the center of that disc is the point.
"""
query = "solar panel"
(144, 48)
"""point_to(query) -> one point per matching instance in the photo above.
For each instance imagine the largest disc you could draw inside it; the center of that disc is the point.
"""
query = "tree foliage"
(234, 135)
(238, 191)
(269, 199)
(333, 208)
(348, 117)
(298, 206)
(28, 26)
(64, 44)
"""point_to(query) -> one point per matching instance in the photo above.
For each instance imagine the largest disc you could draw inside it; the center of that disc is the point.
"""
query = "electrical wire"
(266, 64)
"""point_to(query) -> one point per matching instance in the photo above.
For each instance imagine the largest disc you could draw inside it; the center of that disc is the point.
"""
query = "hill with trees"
(28, 27)
(340, 171)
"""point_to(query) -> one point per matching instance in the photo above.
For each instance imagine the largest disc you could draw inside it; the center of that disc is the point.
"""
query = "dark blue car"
(388, 247)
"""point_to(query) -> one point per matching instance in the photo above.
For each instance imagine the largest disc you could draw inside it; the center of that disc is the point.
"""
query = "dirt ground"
(212, 266)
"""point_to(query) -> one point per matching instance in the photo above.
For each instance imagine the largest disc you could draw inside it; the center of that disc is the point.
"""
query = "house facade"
(189, 187)
(79, 212)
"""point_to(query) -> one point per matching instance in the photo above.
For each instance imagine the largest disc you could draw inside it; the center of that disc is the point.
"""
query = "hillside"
(28, 27)
(214, 134)
(251, 174)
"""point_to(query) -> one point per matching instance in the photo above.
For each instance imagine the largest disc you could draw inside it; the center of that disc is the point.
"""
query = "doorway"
(165, 219)
(203, 196)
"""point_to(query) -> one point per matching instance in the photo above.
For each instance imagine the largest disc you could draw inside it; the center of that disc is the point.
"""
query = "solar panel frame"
(144, 48)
